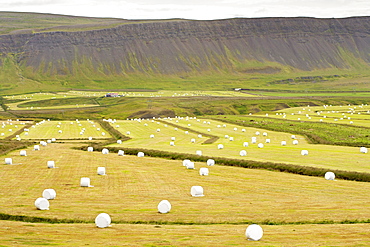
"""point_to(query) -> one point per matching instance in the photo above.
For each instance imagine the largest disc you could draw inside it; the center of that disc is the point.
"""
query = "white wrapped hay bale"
(51, 164)
(164, 207)
(140, 154)
(264, 134)
(185, 162)
(363, 150)
(226, 136)
(36, 147)
(158, 130)
(42, 203)
(235, 129)
(199, 152)
(173, 138)
(283, 143)
(105, 151)
(243, 130)
(119, 142)
(196, 191)
(151, 136)
(329, 176)
(192, 140)
(268, 141)
(23, 153)
(295, 142)
(203, 171)
(43, 143)
(49, 194)
(101, 170)
(85, 182)
(60, 131)
(254, 232)
(210, 162)
(293, 136)
(90, 138)
(304, 152)
(172, 143)
(260, 145)
(231, 138)
(190, 165)
(220, 146)
(243, 153)
(8, 161)
(128, 133)
(121, 153)
(90, 149)
(103, 220)
(254, 140)
(257, 133)
(245, 144)
(199, 136)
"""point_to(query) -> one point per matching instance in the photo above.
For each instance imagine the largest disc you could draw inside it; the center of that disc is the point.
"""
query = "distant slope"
(111, 53)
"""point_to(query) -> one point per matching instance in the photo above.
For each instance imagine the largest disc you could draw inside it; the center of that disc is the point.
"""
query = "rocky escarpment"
(180, 47)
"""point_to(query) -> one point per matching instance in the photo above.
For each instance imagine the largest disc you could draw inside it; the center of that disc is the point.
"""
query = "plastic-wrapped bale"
(119, 142)
(295, 142)
(231, 138)
(51, 164)
(293, 136)
(245, 144)
(103, 220)
(8, 161)
(268, 141)
(140, 154)
(363, 150)
(235, 129)
(203, 171)
(304, 152)
(226, 136)
(192, 140)
(173, 138)
(23, 153)
(254, 232)
(190, 165)
(49, 194)
(264, 134)
(186, 132)
(36, 147)
(101, 170)
(60, 131)
(105, 151)
(151, 136)
(90, 138)
(283, 143)
(164, 207)
(257, 133)
(158, 130)
(329, 176)
(121, 153)
(42, 203)
(128, 133)
(48, 141)
(43, 143)
(196, 191)
(260, 145)
(254, 140)
(243, 130)
(90, 149)
(85, 182)
(243, 153)
(199, 152)
(210, 162)
(220, 146)
(185, 162)
(172, 143)
(199, 136)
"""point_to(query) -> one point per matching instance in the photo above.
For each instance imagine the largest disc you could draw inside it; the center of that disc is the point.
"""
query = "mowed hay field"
(323, 156)
(66, 130)
(134, 186)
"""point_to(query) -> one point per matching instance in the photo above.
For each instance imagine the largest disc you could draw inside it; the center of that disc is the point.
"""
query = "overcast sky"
(192, 9)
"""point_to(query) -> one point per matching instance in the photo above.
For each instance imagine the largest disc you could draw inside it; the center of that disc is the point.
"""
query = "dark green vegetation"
(43, 52)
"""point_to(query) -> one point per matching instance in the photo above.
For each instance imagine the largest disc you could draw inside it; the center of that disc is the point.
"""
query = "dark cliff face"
(178, 47)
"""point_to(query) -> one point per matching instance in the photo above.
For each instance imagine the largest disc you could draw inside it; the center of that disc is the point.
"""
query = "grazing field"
(323, 156)
(65, 130)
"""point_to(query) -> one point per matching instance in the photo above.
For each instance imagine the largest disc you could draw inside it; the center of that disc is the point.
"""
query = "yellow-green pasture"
(26, 234)
(324, 156)
(134, 186)
(65, 130)
(9, 127)
(351, 114)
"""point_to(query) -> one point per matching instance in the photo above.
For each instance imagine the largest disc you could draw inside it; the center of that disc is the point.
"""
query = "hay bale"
(268, 141)
(23, 153)
(140, 154)
(172, 143)
(103, 220)
(243, 153)
(158, 130)
(199, 152)
(283, 143)
(293, 136)
(42, 203)
(295, 142)
(190, 165)
(245, 144)
(363, 150)
(304, 152)
(101, 170)
(151, 136)
(220, 146)
(60, 131)
(192, 140)
(119, 142)
(226, 136)
(90, 138)
(49, 194)
(121, 153)
(164, 207)
(243, 130)
(199, 136)
(235, 129)
(8, 161)
(203, 171)
(85, 182)
(254, 232)
(185, 162)
(210, 162)
(329, 176)
(231, 138)
(128, 133)
(196, 191)
(105, 151)
(260, 145)
(51, 164)
(36, 147)
(90, 149)
(257, 133)
(264, 134)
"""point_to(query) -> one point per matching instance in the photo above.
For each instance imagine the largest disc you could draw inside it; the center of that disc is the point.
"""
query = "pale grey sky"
(192, 9)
